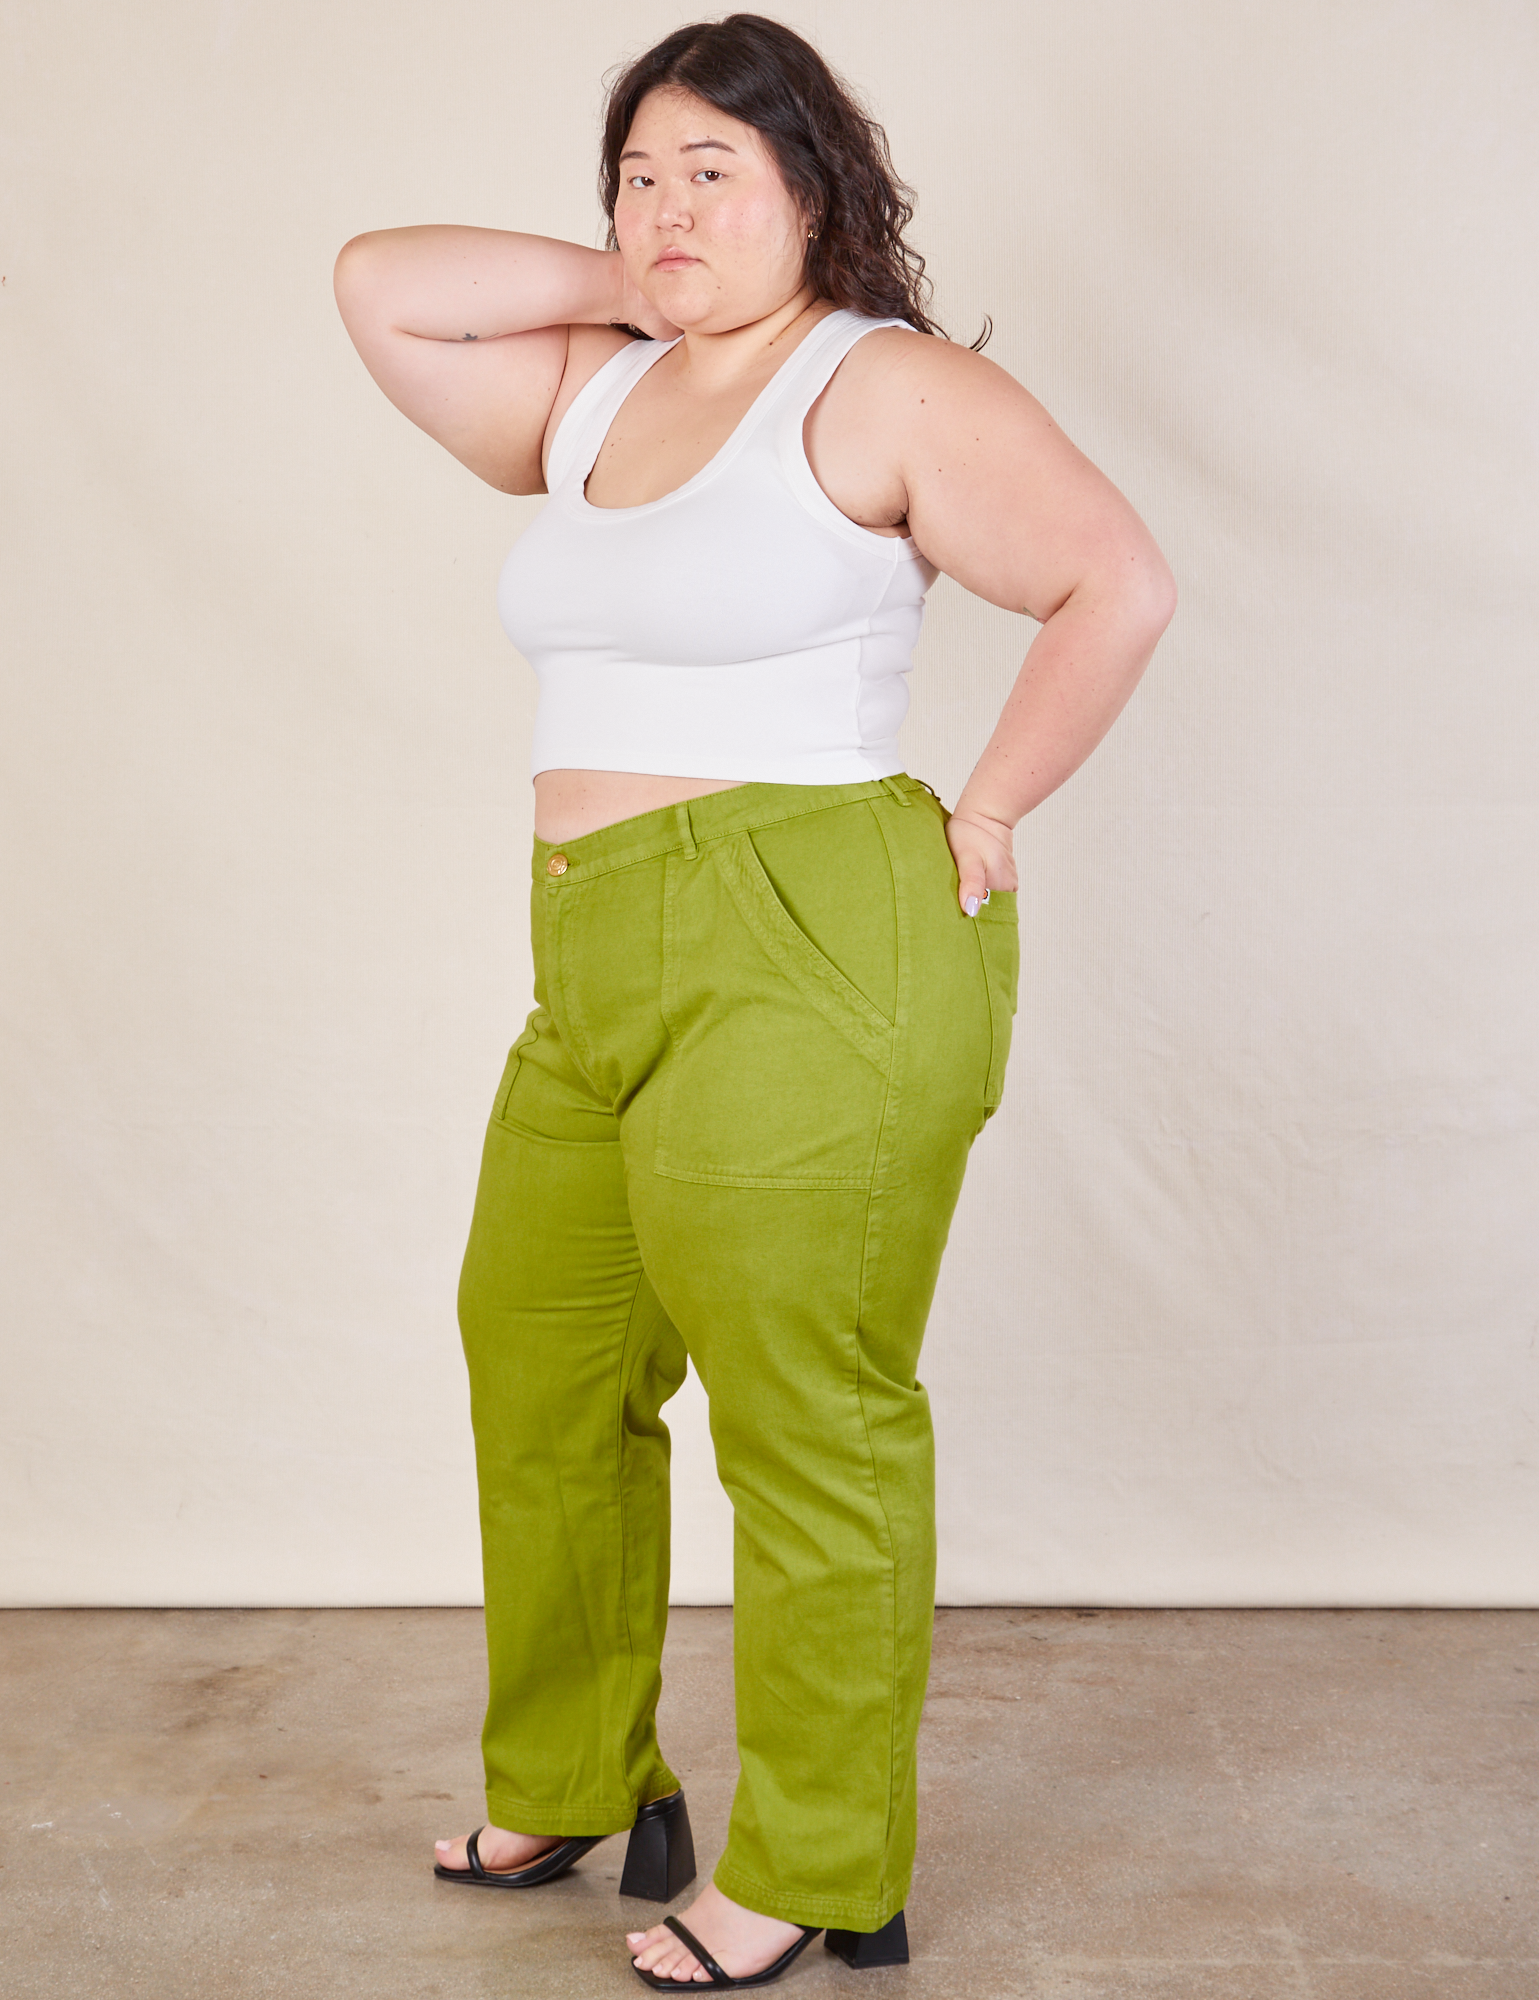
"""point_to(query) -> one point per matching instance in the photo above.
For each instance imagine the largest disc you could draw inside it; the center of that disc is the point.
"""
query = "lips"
(672, 261)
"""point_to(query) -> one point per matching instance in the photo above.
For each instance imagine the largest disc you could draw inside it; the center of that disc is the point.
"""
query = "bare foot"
(741, 1941)
(501, 1852)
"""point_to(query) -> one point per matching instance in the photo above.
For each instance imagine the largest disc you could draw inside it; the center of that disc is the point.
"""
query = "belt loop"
(897, 791)
(687, 829)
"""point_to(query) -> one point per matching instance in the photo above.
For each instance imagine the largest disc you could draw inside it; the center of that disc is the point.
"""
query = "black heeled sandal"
(659, 1859)
(720, 1979)
(888, 1946)
(660, 1855)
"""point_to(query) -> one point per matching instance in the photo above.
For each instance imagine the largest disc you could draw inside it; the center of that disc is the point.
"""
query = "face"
(706, 226)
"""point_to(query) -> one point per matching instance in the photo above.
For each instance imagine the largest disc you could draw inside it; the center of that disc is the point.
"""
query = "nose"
(673, 211)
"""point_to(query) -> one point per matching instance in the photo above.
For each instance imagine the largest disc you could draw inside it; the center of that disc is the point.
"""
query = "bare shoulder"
(916, 383)
(908, 409)
(992, 490)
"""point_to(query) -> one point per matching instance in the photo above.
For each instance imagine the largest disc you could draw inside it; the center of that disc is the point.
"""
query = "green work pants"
(734, 1128)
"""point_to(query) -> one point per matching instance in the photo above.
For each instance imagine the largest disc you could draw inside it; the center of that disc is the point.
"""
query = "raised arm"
(997, 497)
(483, 336)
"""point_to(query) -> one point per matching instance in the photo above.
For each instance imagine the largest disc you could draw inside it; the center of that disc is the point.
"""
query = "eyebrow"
(694, 146)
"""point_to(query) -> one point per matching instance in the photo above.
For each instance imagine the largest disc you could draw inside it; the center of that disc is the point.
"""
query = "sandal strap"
(717, 1976)
(473, 1854)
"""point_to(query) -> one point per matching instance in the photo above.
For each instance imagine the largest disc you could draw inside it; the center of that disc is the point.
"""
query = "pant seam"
(889, 1107)
(892, 1556)
(626, 1566)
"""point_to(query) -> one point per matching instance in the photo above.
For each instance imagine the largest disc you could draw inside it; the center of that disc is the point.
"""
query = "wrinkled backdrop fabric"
(1242, 1300)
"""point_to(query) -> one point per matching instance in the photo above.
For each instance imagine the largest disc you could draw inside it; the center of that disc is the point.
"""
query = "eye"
(638, 181)
(709, 174)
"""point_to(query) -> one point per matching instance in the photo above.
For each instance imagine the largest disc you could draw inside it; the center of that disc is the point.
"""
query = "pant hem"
(838, 1912)
(525, 1816)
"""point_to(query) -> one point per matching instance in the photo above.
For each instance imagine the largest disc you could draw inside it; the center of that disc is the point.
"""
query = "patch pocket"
(778, 1065)
(999, 946)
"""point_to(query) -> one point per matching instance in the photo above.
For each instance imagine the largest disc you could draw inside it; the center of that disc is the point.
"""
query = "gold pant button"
(556, 865)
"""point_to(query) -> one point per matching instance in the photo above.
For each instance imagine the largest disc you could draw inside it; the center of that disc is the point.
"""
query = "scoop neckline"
(728, 446)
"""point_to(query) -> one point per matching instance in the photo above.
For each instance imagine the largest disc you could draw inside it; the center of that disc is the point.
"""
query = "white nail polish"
(971, 906)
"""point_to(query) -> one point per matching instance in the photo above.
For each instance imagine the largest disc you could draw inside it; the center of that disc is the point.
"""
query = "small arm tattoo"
(470, 336)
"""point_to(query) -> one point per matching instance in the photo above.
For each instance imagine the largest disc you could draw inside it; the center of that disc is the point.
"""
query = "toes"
(659, 1951)
(676, 1964)
(654, 1949)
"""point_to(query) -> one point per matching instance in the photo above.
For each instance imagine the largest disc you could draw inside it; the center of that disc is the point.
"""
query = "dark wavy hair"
(832, 157)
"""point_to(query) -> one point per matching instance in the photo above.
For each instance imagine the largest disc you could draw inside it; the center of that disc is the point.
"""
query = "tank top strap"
(808, 373)
(592, 410)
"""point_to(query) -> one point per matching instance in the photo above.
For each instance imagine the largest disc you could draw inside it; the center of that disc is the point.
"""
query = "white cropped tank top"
(739, 627)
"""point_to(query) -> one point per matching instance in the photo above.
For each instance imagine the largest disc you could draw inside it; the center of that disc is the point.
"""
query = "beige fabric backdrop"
(1242, 1299)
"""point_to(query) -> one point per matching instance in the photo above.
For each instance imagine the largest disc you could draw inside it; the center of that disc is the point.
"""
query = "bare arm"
(998, 498)
(483, 336)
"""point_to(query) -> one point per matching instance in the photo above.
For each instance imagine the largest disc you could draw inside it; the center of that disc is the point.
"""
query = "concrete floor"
(1183, 1805)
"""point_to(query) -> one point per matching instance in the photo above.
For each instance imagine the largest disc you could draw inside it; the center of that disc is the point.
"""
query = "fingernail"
(971, 906)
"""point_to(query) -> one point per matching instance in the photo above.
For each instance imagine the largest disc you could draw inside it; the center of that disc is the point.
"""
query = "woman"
(774, 978)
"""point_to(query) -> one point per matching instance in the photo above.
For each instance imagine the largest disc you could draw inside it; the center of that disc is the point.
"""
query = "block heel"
(888, 1946)
(660, 1859)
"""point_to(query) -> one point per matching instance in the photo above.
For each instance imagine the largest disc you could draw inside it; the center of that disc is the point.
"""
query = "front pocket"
(777, 1066)
(999, 945)
(511, 1068)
